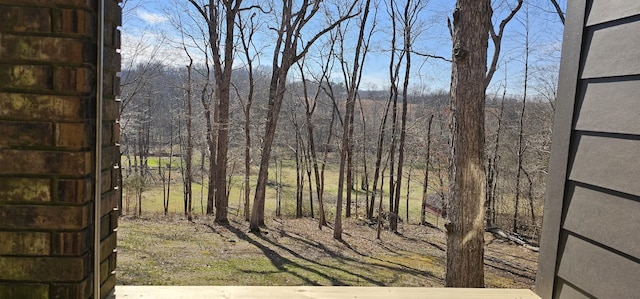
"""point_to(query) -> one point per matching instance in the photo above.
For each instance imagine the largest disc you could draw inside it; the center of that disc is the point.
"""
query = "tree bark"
(465, 226)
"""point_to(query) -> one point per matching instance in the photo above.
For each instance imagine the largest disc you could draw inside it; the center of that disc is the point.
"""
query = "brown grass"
(161, 251)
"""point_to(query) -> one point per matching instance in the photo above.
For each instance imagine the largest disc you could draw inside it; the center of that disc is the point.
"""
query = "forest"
(271, 113)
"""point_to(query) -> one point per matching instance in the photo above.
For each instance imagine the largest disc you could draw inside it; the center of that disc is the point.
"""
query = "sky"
(149, 32)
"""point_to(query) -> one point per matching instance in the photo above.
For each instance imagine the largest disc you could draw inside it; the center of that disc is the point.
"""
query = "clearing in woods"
(159, 250)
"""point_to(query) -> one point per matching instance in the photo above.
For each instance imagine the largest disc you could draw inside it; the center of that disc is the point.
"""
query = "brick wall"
(48, 63)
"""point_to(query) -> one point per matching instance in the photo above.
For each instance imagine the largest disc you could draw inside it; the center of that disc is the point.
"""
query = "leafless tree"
(286, 52)
(346, 151)
(247, 32)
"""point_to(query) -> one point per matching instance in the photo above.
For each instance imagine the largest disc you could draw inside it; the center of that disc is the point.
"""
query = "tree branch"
(325, 30)
(430, 56)
(200, 10)
(497, 41)
(558, 10)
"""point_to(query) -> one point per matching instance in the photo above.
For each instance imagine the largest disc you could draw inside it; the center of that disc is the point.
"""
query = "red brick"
(107, 133)
(25, 19)
(110, 156)
(113, 13)
(45, 217)
(111, 109)
(106, 181)
(15, 133)
(111, 85)
(108, 245)
(116, 85)
(112, 61)
(25, 290)
(76, 21)
(25, 243)
(72, 243)
(114, 219)
(71, 79)
(108, 288)
(53, 269)
(45, 162)
(26, 190)
(105, 226)
(82, 289)
(74, 191)
(73, 135)
(25, 76)
(110, 201)
(44, 49)
(116, 132)
(43, 107)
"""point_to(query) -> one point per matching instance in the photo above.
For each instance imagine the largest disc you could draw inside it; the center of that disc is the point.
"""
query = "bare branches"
(200, 10)
(430, 56)
(347, 16)
(496, 38)
(558, 10)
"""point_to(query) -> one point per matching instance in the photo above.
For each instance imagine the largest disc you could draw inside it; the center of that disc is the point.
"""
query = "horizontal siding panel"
(607, 219)
(610, 10)
(612, 51)
(566, 291)
(595, 270)
(611, 107)
(611, 163)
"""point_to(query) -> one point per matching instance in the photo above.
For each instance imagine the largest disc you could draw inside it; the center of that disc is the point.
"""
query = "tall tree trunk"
(284, 56)
(189, 155)
(465, 231)
(365, 177)
(246, 40)
(346, 152)
(322, 217)
(276, 94)
(408, 190)
(493, 170)
(425, 183)
(299, 170)
(521, 147)
(403, 127)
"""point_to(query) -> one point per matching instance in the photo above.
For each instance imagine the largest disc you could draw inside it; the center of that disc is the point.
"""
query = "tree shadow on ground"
(278, 260)
(270, 249)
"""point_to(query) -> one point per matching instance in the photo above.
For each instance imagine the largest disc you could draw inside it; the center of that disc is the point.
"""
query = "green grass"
(153, 193)
(172, 251)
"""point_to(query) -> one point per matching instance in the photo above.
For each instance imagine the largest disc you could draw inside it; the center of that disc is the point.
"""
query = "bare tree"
(188, 177)
(247, 31)
(221, 42)
(310, 104)
(346, 151)
(285, 54)
(408, 18)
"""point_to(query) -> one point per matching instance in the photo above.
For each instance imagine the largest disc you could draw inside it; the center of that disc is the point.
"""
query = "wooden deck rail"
(316, 292)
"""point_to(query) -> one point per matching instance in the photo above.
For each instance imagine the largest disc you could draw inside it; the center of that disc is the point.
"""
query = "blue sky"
(149, 32)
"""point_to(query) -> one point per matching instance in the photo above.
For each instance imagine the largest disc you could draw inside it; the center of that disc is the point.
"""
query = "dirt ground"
(172, 251)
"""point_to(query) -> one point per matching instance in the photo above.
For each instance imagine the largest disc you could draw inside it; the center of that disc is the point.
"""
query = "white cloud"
(151, 18)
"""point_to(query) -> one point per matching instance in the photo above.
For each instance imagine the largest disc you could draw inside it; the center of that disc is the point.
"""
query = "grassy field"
(152, 201)
(158, 250)
(169, 250)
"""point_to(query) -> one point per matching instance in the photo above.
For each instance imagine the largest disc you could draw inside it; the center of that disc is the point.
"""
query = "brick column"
(48, 71)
